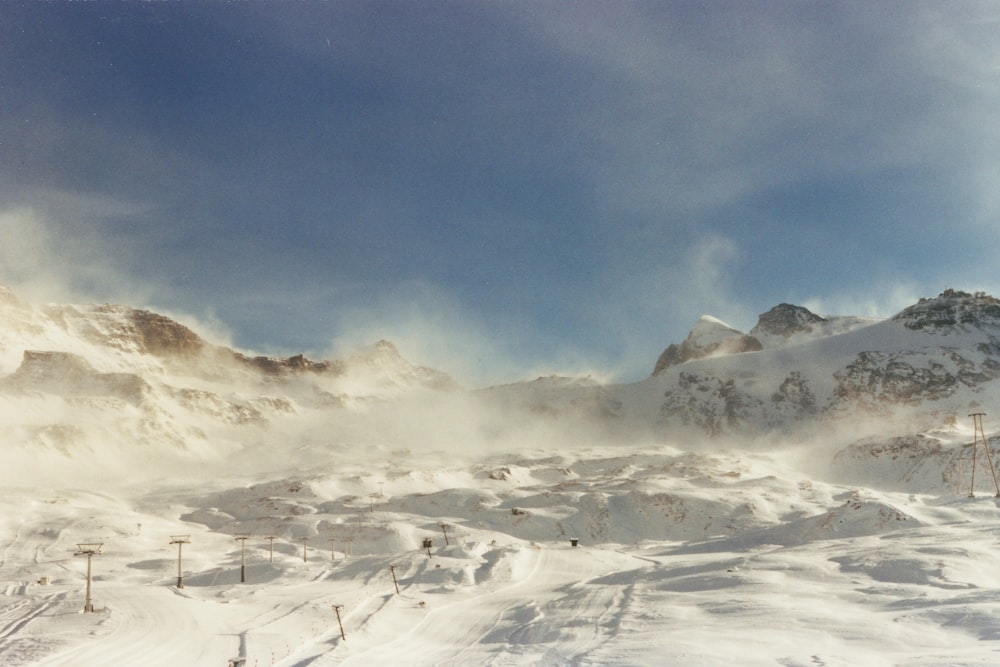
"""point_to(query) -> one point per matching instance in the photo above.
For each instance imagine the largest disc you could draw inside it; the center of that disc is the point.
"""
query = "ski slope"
(752, 562)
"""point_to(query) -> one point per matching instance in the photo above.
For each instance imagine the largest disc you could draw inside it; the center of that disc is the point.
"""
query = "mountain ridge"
(122, 375)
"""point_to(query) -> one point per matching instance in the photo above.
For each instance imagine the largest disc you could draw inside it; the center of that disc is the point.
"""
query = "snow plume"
(427, 323)
(709, 265)
(882, 300)
(53, 249)
(65, 248)
(658, 289)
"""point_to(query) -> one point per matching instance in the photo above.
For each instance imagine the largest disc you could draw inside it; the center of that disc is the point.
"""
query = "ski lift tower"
(180, 541)
(88, 550)
(242, 539)
(977, 422)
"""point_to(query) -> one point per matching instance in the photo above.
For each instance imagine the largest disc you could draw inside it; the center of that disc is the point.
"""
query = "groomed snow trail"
(496, 621)
(149, 625)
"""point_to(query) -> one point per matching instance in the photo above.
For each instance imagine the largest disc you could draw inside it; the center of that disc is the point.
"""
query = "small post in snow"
(336, 610)
(392, 570)
(444, 529)
(305, 557)
(180, 541)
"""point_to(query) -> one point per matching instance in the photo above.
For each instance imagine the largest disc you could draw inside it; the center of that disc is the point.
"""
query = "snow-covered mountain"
(114, 379)
(821, 473)
(111, 380)
(932, 363)
(78, 375)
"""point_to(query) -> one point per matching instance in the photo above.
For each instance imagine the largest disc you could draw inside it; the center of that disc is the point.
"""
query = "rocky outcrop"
(786, 320)
(881, 379)
(795, 394)
(296, 364)
(709, 337)
(161, 336)
(711, 404)
(950, 309)
(70, 376)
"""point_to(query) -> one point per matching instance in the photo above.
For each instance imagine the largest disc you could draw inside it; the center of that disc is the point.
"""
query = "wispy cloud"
(877, 301)
(430, 327)
(59, 249)
(51, 251)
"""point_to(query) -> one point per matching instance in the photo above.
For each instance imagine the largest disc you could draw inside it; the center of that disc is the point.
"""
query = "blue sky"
(503, 189)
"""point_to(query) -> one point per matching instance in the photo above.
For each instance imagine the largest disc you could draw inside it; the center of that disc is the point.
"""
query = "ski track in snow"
(452, 633)
(816, 574)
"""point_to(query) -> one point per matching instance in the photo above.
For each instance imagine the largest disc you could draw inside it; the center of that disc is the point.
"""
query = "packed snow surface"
(709, 557)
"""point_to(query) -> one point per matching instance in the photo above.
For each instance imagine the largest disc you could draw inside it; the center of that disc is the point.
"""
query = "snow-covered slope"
(817, 498)
(105, 387)
(935, 361)
(122, 376)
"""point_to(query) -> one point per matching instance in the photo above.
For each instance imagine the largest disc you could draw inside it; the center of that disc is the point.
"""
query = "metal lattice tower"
(977, 423)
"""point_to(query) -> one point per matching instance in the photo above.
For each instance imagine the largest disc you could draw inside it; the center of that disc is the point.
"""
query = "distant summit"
(952, 308)
(708, 337)
(776, 327)
(785, 320)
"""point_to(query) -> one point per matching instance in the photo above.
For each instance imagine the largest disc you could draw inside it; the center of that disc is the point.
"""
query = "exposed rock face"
(297, 364)
(933, 359)
(878, 379)
(164, 337)
(794, 392)
(914, 463)
(69, 375)
(785, 320)
(945, 356)
(159, 335)
(952, 308)
(708, 337)
(712, 404)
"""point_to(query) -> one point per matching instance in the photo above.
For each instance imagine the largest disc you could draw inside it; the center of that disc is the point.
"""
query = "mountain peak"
(786, 320)
(951, 308)
(709, 336)
(708, 327)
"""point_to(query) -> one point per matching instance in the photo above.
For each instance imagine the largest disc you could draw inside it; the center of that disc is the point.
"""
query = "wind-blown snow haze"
(813, 490)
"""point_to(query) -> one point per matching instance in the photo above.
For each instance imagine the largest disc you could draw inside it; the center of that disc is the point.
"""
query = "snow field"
(711, 558)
